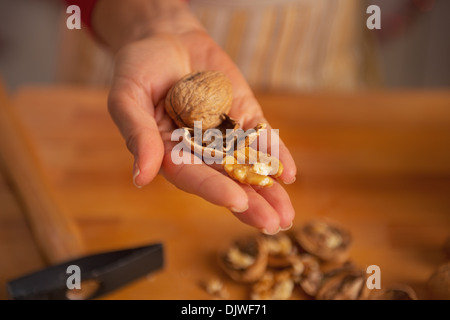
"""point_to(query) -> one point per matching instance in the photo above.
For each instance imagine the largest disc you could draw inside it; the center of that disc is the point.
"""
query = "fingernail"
(287, 228)
(136, 173)
(233, 209)
(290, 182)
(270, 233)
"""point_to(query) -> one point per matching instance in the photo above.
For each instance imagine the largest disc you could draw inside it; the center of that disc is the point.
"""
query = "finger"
(204, 181)
(133, 114)
(280, 201)
(247, 110)
(260, 213)
(290, 169)
(271, 142)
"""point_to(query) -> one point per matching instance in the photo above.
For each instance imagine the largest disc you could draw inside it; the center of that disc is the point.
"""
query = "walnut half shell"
(245, 260)
(343, 283)
(231, 138)
(207, 96)
(281, 250)
(273, 285)
(311, 276)
(326, 241)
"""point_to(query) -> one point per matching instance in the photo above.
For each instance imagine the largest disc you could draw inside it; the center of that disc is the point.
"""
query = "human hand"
(144, 72)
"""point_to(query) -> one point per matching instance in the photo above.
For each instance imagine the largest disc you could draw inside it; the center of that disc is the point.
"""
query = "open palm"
(145, 71)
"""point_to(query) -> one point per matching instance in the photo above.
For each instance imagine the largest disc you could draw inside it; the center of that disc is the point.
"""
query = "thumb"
(147, 148)
(135, 120)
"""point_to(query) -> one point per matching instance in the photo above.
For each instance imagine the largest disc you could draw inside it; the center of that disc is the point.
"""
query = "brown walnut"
(328, 242)
(207, 96)
(273, 285)
(245, 260)
(200, 96)
(311, 276)
(281, 250)
(230, 140)
(343, 283)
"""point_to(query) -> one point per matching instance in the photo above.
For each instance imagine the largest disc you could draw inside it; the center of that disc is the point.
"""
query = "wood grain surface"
(378, 163)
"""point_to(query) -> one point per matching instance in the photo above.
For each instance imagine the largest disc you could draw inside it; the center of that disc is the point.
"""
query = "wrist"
(173, 16)
(119, 22)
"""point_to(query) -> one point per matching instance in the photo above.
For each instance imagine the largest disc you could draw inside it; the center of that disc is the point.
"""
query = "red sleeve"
(86, 8)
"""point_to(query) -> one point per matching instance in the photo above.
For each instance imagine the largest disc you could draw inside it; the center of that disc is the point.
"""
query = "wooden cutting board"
(376, 162)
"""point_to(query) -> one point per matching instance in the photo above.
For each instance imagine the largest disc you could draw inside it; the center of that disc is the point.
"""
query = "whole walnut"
(200, 96)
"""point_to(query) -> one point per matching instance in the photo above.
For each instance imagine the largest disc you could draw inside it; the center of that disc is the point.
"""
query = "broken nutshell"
(311, 276)
(273, 266)
(245, 260)
(281, 250)
(325, 240)
(343, 283)
(206, 96)
(273, 285)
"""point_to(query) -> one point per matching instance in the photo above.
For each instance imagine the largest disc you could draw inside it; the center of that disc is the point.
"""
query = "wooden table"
(376, 162)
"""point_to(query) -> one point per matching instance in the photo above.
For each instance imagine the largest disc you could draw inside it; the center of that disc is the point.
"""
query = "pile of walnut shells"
(313, 259)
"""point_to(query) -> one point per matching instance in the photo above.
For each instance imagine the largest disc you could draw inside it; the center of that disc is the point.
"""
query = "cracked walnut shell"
(343, 283)
(310, 277)
(211, 150)
(200, 96)
(206, 96)
(325, 240)
(273, 285)
(281, 250)
(245, 260)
